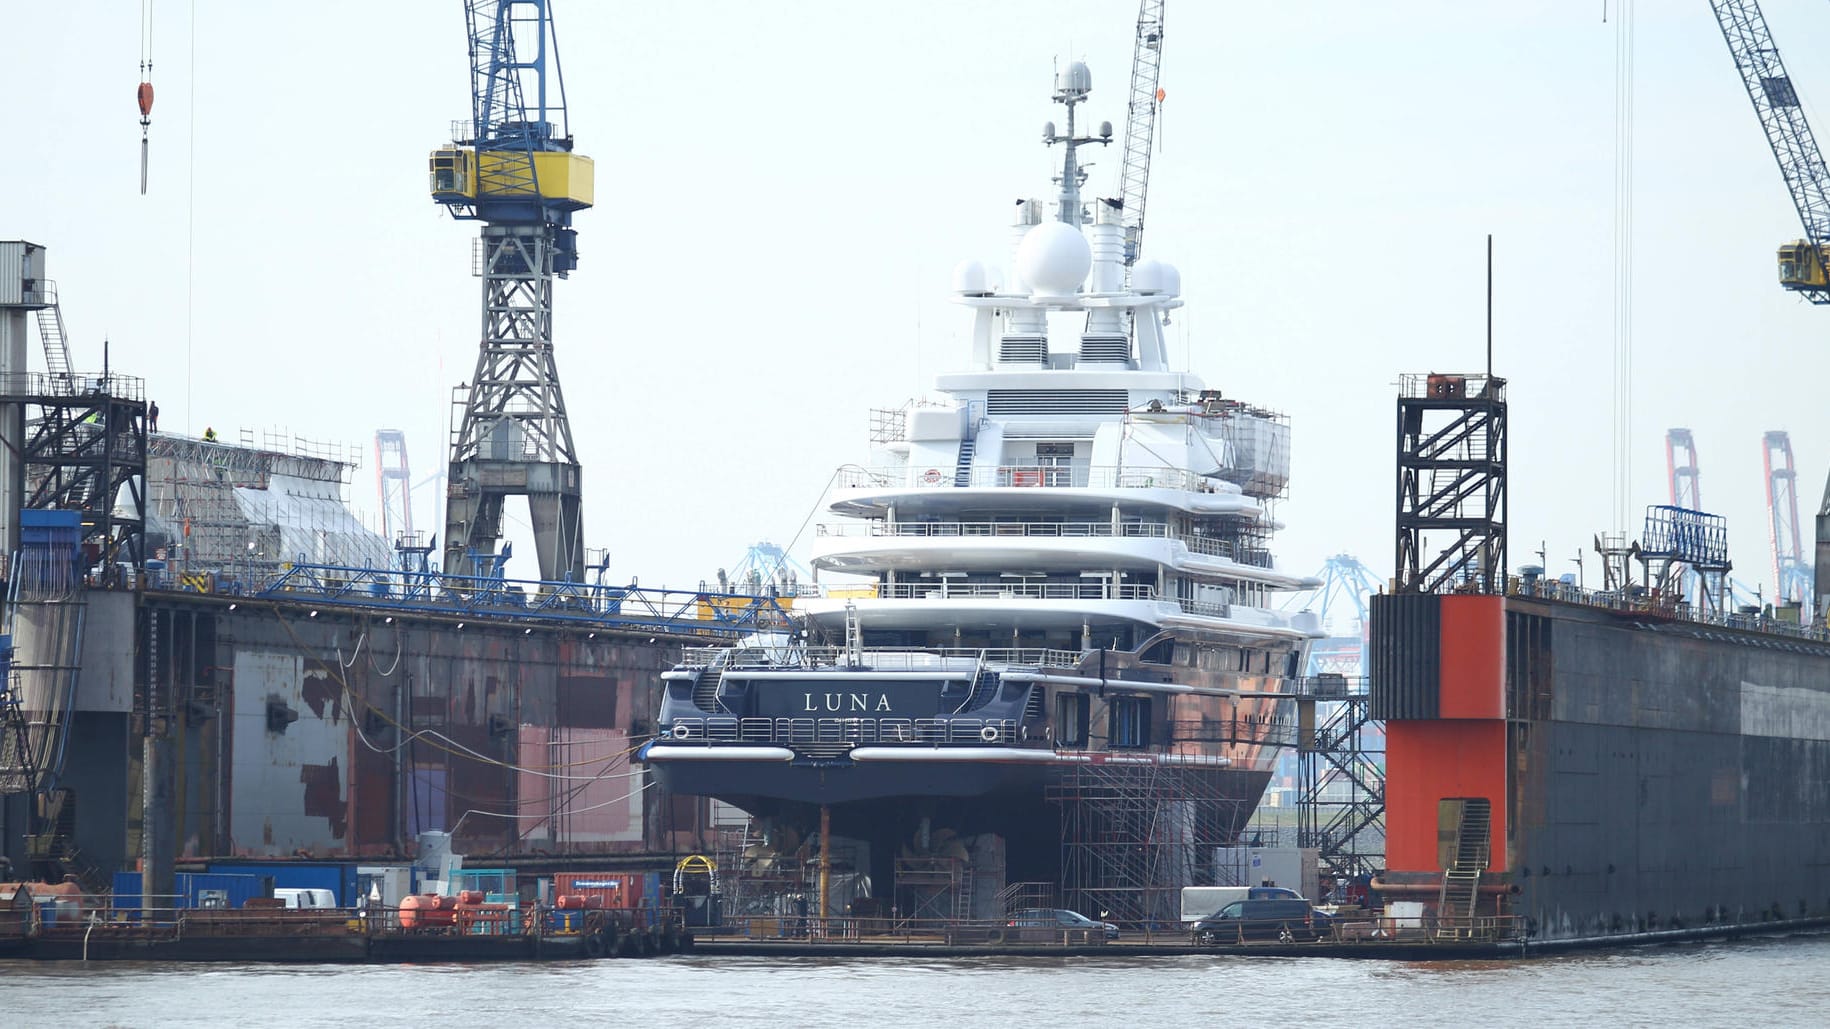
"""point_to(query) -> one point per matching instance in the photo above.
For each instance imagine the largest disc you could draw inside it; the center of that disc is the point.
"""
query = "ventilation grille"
(1055, 401)
(1023, 350)
(1105, 350)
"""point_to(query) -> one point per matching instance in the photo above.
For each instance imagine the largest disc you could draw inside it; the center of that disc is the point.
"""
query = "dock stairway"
(1460, 894)
(56, 343)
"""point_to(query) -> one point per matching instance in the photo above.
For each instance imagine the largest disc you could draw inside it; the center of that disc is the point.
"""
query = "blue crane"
(512, 168)
(1802, 263)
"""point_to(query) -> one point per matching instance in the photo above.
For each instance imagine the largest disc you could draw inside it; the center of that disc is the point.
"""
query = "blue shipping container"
(194, 890)
(339, 879)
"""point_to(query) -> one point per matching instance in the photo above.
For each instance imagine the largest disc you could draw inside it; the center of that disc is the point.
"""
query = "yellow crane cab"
(1801, 265)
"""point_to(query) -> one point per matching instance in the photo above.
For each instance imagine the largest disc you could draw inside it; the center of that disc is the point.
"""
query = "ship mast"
(1072, 84)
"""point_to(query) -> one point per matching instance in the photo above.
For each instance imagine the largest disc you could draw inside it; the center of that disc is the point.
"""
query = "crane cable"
(1623, 260)
(145, 92)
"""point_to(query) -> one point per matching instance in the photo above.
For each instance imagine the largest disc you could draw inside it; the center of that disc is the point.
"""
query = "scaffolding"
(1133, 835)
(85, 451)
(246, 511)
(1341, 802)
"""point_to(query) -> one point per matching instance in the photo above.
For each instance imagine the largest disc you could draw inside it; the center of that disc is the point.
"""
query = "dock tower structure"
(512, 168)
(1451, 482)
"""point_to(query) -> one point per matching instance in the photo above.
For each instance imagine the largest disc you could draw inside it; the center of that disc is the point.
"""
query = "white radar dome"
(1075, 78)
(1054, 258)
(1152, 278)
(972, 279)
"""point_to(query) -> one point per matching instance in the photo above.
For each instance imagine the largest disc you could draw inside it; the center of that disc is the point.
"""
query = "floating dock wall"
(1645, 774)
(346, 733)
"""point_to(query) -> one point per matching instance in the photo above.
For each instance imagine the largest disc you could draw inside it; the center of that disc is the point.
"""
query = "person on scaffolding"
(209, 434)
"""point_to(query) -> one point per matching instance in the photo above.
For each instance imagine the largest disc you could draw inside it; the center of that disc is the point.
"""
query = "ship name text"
(845, 702)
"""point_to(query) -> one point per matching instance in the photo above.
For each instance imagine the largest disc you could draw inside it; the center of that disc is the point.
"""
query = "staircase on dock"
(1461, 880)
(56, 343)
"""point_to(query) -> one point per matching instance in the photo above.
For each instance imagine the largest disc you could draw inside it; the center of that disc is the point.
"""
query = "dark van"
(1281, 918)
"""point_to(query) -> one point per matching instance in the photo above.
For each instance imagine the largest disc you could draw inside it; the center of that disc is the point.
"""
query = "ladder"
(962, 472)
(1460, 895)
(56, 343)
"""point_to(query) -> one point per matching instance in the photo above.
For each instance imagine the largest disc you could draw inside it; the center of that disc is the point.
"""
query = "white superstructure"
(1068, 489)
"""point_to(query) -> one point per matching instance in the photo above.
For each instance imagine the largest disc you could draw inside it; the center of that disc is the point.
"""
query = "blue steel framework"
(587, 605)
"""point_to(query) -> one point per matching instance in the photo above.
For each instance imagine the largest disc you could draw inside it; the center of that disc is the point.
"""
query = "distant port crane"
(1803, 262)
(512, 168)
(1791, 576)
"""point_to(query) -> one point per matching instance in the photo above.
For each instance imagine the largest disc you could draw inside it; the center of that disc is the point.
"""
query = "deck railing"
(1020, 476)
(1657, 607)
(803, 732)
(1206, 545)
(938, 659)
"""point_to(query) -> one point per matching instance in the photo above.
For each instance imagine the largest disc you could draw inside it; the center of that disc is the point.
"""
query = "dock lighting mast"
(1140, 123)
(512, 168)
(1803, 262)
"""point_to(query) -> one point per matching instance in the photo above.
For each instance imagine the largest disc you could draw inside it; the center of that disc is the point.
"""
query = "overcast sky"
(783, 189)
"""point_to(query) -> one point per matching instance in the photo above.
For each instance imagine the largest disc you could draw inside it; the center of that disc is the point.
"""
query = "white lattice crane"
(1140, 123)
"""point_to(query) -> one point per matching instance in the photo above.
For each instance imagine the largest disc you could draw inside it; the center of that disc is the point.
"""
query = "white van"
(306, 898)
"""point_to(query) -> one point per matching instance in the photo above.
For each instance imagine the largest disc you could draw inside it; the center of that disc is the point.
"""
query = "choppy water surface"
(1763, 981)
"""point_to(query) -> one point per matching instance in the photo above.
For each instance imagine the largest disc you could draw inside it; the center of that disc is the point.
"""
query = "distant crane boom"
(1791, 579)
(1802, 263)
(1681, 466)
(1140, 123)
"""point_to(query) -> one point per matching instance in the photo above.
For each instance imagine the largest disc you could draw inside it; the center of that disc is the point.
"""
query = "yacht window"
(1071, 716)
(1130, 722)
(1056, 460)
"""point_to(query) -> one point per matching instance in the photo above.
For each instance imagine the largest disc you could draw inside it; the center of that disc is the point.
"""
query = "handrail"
(935, 659)
(1025, 476)
(1206, 545)
(1651, 604)
(851, 732)
(438, 593)
(943, 589)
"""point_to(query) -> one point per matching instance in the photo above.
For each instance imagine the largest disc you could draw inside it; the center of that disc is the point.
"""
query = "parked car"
(1280, 918)
(1059, 920)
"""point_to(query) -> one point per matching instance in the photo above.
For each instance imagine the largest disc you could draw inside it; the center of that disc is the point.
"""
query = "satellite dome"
(972, 279)
(1151, 278)
(1075, 78)
(1054, 259)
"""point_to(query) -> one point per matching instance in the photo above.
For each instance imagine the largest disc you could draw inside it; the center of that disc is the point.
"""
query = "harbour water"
(1770, 981)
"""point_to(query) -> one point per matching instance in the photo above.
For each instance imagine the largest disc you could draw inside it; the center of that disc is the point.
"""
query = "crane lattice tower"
(513, 169)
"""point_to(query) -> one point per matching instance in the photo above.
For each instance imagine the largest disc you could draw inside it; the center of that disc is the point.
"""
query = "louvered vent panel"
(1055, 401)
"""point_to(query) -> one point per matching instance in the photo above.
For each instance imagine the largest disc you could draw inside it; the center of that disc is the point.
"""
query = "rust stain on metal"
(324, 794)
(320, 693)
